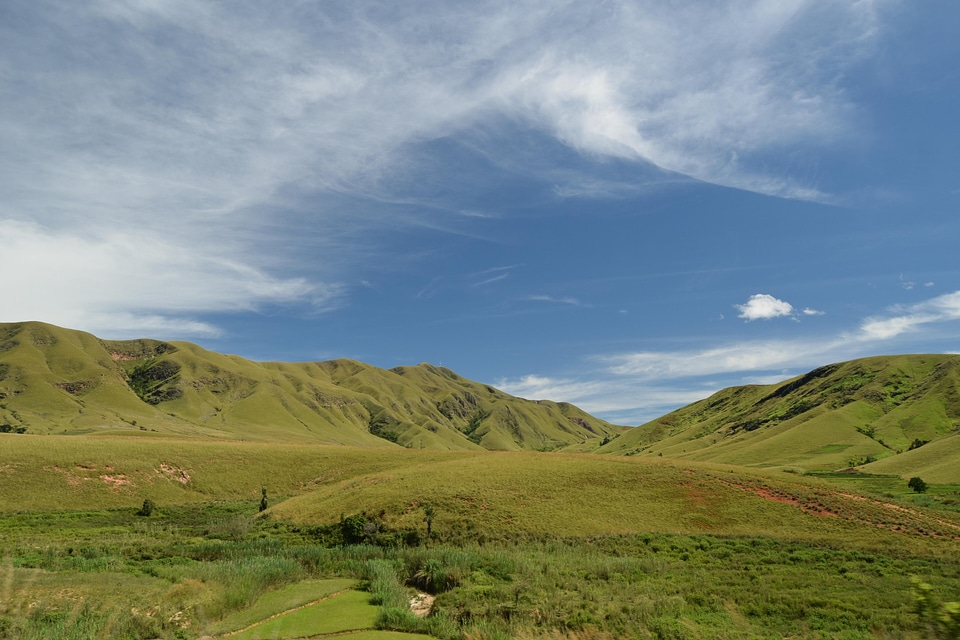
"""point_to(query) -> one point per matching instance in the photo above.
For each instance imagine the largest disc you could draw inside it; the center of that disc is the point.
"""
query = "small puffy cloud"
(762, 306)
(813, 312)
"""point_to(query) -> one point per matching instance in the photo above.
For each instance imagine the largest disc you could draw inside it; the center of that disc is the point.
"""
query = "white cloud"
(215, 132)
(620, 401)
(910, 318)
(813, 312)
(762, 306)
(732, 358)
(564, 300)
(487, 281)
(123, 282)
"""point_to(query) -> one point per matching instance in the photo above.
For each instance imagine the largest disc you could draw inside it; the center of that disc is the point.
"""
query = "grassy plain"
(522, 545)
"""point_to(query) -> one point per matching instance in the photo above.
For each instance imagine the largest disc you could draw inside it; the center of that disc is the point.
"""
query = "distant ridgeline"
(55, 380)
(884, 415)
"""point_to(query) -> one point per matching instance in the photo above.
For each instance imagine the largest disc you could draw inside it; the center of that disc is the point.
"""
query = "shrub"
(917, 484)
(147, 508)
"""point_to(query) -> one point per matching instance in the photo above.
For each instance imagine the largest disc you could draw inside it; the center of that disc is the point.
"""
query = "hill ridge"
(865, 414)
(56, 380)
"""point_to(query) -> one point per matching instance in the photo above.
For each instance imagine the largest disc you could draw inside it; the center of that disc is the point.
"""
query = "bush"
(917, 484)
(147, 508)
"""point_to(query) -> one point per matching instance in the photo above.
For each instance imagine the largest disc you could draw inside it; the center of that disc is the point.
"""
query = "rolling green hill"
(55, 380)
(894, 414)
(476, 494)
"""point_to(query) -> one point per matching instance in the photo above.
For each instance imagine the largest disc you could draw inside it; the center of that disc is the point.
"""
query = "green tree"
(917, 484)
(353, 528)
(147, 508)
(429, 513)
(263, 499)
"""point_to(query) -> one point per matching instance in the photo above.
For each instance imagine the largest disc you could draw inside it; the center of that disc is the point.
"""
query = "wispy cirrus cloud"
(223, 132)
(574, 302)
(906, 319)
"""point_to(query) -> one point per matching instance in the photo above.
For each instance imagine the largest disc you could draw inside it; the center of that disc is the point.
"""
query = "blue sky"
(625, 205)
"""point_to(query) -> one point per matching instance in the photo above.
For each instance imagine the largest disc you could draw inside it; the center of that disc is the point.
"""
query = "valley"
(280, 508)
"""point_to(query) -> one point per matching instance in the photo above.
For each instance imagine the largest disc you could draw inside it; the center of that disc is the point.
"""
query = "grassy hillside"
(523, 544)
(894, 410)
(474, 493)
(55, 380)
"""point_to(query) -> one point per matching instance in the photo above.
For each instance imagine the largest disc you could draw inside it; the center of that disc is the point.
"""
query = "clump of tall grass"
(81, 623)
(245, 579)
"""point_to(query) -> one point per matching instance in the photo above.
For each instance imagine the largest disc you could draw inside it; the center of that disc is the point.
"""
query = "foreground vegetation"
(213, 568)
(518, 545)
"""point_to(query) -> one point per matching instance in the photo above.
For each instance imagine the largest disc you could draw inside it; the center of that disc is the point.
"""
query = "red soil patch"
(777, 496)
(917, 526)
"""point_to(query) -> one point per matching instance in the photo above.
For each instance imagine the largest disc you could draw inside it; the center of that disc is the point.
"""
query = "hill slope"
(902, 411)
(476, 494)
(55, 380)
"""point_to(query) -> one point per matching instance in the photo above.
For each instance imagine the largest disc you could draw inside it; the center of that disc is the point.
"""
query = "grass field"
(522, 545)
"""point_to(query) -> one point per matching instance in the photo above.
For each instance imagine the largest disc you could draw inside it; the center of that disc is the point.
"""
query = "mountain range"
(885, 415)
(55, 380)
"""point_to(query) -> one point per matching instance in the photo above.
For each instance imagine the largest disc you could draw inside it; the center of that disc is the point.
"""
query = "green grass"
(274, 602)
(834, 417)
(638, 585)
(503, 495)
(524, 544)
(347, 612)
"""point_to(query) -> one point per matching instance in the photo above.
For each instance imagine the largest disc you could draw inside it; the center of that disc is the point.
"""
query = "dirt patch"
(913, 524)
(116, 481)
(785, 498)
(172, 472)
(853, 497)
(421, 604)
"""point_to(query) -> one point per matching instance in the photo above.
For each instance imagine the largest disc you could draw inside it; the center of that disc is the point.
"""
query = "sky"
(627, 205)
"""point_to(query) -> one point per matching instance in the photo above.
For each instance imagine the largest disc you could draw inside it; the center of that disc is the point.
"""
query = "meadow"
(520, 545)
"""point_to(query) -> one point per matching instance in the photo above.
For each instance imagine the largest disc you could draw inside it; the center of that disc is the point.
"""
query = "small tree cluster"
(9, 428)
(917, 484)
